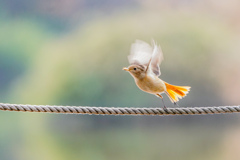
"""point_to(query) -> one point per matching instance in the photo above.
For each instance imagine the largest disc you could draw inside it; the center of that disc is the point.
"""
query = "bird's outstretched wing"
(156, 59)
(143, 54)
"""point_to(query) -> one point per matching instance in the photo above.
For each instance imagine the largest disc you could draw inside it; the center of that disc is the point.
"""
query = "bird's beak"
(125, 69)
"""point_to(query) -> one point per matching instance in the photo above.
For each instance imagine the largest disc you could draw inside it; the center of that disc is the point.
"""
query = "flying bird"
(144, 67)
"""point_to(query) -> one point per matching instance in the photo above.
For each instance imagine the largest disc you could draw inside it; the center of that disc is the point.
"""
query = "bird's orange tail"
(176, 92)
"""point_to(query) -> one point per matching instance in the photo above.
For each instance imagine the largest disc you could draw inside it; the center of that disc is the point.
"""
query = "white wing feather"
(143, 54)
(156, 59)
(140, 53)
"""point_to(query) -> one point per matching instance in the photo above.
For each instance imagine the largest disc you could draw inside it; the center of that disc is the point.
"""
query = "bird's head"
(137, 71)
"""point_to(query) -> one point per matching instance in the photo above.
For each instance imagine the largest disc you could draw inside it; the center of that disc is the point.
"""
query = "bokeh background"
(72, 52)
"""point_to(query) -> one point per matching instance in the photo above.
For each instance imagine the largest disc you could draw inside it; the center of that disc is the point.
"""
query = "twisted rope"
(118, 111)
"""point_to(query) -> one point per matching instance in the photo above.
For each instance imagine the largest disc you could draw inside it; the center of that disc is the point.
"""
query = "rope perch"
(118, 111)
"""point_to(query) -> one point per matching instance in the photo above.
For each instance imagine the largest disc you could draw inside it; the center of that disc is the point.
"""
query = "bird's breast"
(151, 84)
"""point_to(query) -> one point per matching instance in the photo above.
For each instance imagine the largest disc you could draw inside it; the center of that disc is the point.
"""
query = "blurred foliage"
(72, 53)
(19, 39)
(86, 68)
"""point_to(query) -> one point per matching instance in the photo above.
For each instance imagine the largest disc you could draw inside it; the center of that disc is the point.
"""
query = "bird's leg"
(162, 100)
(175, 104)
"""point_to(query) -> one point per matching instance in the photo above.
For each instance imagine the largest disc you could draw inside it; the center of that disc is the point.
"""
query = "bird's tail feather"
(176, 92)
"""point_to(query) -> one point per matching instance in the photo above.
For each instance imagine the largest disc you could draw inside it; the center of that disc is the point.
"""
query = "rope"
(118, 111)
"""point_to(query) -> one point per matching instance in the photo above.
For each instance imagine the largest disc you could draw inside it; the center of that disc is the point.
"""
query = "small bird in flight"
(144, 67)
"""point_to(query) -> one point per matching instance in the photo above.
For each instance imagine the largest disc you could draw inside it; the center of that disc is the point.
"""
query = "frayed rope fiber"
(118, 111)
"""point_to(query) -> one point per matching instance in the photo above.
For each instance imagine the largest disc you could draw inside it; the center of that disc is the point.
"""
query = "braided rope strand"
(118, 111)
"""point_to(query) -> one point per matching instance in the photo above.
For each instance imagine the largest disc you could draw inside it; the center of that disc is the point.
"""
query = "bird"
(145, 60)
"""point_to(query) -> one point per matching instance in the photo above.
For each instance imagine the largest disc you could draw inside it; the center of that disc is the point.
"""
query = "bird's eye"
(135, 69)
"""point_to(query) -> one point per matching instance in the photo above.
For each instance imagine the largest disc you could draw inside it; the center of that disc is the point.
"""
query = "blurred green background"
(72, 52)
